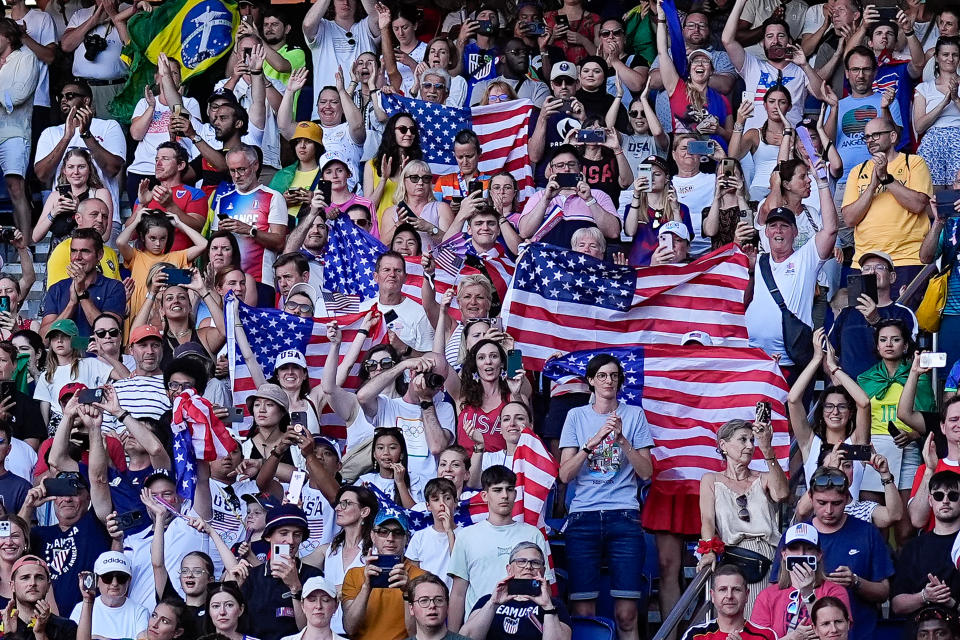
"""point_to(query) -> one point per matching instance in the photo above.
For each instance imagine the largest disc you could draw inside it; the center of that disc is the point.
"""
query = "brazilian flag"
(195, 33)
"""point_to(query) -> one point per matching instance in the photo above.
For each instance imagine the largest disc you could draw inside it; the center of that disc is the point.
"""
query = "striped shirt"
(711, 631)
(453, 185)
(143, 396)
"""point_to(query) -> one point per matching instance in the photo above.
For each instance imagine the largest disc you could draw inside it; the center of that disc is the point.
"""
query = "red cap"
(143, 332)
(69, 389)
(29, 559)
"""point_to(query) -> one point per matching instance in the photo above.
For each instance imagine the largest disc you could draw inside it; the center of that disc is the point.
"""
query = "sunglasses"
(293, 307)
(117, 576)
(830, 480)
(70, 95)
(744, 513)
(636, 114)
(417, 179)
(363, 224)
(431, 85)
(405, 129)
(952, 496)
(382, 364)
(564, 81)
(104, 333)
(606, 33)
(500, 98)
(350, 39)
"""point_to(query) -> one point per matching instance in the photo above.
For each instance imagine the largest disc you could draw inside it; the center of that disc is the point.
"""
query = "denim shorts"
(14, 156)
(612, 538)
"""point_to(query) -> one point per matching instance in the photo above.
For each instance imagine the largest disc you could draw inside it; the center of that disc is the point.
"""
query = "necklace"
(180, 334)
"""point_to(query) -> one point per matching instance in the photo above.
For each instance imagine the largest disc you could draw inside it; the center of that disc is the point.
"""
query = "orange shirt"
(384, 619)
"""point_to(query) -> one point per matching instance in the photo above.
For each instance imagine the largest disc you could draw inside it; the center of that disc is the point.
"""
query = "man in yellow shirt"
(887, 200)
(92, 213)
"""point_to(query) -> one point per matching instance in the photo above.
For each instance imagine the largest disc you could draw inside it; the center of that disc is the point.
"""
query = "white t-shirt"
(271, 134)
(396, 412)
(430, 548)
(697, 193)
(107, 65)
(21, 459)
(90, 371)
(321, 519)
(412, 316)
(760, 75)
(337, 138)
(158, 132)
(949, 117)
(40, 27)
(60, 19)
(110, 136)
(125, 621)
(406, 73)
(795, 278)
(230, 511)
(331, 48)
(481, 552)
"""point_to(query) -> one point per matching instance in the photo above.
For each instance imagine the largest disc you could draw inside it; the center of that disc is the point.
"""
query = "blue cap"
(286, 515)
(392, 513)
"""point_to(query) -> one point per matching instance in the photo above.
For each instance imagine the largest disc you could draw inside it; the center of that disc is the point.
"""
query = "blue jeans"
(612, 537)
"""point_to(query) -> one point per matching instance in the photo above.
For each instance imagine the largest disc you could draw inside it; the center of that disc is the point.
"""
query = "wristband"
(587, 450)
(738, 127)
(907, 34)
(591, 201)
(123, 416)
(887, 481)
(834, 371)
(426, 404)
(365, 332)
(887, 180)
(714, 545)
(548, 612)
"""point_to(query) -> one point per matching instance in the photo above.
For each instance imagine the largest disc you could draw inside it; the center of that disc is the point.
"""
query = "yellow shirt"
(60, 257)
(386, 200)
(304, 180)
(883, 411)
(888, 226)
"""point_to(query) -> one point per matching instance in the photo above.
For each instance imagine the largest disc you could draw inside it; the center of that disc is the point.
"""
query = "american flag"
(197, 434)
(423, 519)
(270, 331)
(687, 392)
(550, 220)
(561, 300)
(503, 130)
(343, 302)
(449, 254)
(350, 258)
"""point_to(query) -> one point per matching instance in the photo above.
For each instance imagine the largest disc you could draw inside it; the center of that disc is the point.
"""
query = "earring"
(476, 377)
(503, 374)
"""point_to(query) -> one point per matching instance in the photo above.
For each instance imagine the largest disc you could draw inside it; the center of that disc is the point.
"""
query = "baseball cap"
(306, 289)
(697, 337)
(143, 332)
(699, 52)
(223, 94)
(565, 69)
(782, 213)
(883, 255)
(69, 389)
(159, 475)
(335, 156)
(323, 441)
(677, 228)
(286, 515)
(290, 356)
(30, 559)
(65, 326)
(388, 514)
(802, 532)
(191, 349)
(318, 583)
(307, 130)
(263, 499)
(657, 161)
(112, 561)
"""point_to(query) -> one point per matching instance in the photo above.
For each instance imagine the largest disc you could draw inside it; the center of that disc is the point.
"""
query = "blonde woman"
(498, 91)
(415, 204)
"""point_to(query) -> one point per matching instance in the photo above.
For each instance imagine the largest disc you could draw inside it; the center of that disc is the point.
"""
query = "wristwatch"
(887, 180)
(253, 232)
(434, 231)
(196, 139)
(587, 450)
(478, 448)
(86, 135)
(426, 404)
(83, 296)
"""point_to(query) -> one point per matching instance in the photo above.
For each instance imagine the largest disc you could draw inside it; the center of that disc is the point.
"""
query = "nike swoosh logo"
(854, 552)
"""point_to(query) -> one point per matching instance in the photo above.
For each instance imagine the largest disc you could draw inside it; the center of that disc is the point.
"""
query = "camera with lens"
(432, 380)
(94, 44)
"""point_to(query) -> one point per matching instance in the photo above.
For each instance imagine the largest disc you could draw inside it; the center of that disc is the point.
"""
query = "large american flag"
(270, 331)
(350, 259)
(687, 392)
(561, 300)
(198, 434)
(503, 129)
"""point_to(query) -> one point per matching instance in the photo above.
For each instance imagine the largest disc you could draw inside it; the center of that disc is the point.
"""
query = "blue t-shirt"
(858, 546)
(852, 337)
(125, 487)
(13, 492)
(106, 294)
(853, 114)
(478, 64)
(68, 553)
(897, 74)
(607, 479)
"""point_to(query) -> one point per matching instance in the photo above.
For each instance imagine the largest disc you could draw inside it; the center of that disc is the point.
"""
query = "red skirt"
(677, 513)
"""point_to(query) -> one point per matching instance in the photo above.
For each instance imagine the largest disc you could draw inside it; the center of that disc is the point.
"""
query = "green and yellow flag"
(195, 33)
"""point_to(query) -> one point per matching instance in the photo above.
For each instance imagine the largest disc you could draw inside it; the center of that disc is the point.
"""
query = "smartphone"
(861, 452)
(222, 216)
(887, 14)
(747, 96)
(5, 529)
(854, 289)
(5, 303)
(924, 341)
(298, 420)
(567, 104)
(60, 487)
(65, 190)
(246, 53)
(496, 323)
(646, 171)
(297, 480)
(701, 147)
(524, 587)
(485, 27)
(281, 550)
(727, 167)
(595, 136)
(567, 180)
(386, 563)
(870, 286)
(535, 28)
(666, 240)
(474, 186)
(934, 360)
(892, 429)
(390, 316)
(514, 362)
(810, 561)
(89, 396)
(945, 203)
(763, 412)
(130, 520)
(234, 415)
(456, 200)
(325, 187)
(178, 276)
(88, 580)
(562, 20)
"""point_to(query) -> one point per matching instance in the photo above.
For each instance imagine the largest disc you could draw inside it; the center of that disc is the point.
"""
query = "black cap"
(223, 94)
(657, 161)
(782, 213)
(76, 478)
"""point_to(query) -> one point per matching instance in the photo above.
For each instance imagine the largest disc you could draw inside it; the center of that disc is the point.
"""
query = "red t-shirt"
(487, 422)
(114, 450)
(944, 464)
(190, 200)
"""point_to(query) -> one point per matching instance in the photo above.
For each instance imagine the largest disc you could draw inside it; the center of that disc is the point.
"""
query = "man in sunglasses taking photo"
(114, 614)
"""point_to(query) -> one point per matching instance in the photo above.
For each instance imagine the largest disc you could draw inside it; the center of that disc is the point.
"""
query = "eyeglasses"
(103, 333)
(240, 170)
(498, 98)
(118, 576)
(573, 164)
(858, 70)
(173, 385)
(387, 532)
(874, 268)
(431, 85)
(830, 407)
(744, 513)
(293, 307)
(700, 26)
(952, 496)
(831, 480)
(426, 601)
(417, 179)
(345, 504)
(873, 137)
(383, 364)
(564, 81)
(611, 33)
(405, 129)
(70, 95)
(526, 563)
(196, 572)
(603, 376)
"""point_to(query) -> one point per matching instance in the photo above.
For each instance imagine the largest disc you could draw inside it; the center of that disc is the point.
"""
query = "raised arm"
(668, 70)
(729, 37)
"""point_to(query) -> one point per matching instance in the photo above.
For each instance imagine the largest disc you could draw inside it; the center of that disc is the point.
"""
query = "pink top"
(770, 609)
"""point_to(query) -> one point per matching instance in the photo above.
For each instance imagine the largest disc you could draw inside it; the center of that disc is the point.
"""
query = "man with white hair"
(435, 86)
(114, 614)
